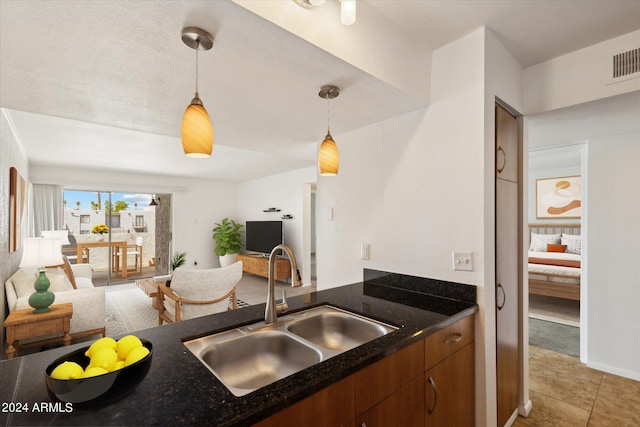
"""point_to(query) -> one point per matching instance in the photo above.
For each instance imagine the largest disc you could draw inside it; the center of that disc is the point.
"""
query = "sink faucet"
(272, 309)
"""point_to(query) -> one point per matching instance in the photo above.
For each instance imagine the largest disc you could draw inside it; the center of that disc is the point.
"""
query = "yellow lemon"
(67, 371)
(126, 344)
(119, 365)
(105, 358)
(94, 371)
(106, 342)
(135, 355)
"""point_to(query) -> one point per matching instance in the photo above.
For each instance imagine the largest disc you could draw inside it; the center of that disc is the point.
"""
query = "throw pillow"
(573, 242)
(58, 281)
(539, 241)
(23, 281)
(554, 247)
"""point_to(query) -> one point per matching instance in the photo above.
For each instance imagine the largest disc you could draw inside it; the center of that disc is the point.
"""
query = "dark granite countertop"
(179, 390)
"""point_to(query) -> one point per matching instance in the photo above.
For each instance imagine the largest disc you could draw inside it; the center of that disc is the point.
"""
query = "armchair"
(195, 293)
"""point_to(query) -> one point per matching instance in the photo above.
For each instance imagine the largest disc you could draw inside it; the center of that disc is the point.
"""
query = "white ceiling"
(114, 76)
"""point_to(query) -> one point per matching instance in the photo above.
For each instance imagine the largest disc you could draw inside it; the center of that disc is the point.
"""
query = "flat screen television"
(263, 236)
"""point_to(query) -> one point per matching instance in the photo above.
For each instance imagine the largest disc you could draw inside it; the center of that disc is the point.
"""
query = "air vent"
(626, 63)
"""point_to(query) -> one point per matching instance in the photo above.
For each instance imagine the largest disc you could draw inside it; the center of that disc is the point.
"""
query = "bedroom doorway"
(554, 269)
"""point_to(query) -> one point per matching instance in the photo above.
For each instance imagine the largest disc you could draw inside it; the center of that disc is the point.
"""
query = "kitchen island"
(180, 390)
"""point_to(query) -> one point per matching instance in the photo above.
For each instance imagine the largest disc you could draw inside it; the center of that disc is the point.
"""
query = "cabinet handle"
(435, 396)
(504, 162)
(453, 338)
(504, 297)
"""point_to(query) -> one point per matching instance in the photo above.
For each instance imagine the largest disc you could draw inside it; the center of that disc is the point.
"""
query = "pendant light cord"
(328, 116)
(197, 48)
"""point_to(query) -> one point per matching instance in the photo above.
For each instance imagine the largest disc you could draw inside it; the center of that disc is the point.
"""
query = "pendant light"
(197, 132)
(348, 12)
(328, 156)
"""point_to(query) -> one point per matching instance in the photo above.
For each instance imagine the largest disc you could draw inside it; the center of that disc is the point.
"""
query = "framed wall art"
(559, 197)
(17, 202)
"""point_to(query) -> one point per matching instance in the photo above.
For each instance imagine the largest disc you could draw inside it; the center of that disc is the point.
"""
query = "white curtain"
(48, 208)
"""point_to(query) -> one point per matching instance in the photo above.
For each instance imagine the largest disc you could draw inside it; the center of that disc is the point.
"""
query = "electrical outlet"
(463, 261)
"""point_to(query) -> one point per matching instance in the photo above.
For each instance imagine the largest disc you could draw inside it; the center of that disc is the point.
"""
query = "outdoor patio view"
(114, 232)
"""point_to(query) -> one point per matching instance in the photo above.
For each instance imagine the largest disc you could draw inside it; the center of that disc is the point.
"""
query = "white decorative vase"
(228, 259)
(99, 237)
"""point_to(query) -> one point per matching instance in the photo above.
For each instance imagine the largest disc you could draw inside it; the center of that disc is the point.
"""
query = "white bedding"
(537, 270)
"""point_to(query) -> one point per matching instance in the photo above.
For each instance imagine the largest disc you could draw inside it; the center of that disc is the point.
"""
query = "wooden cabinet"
(405, 407)
(331, 406)
(507, 153)
(259, 265)
(395, 391)
(450, 391)
(507, 269)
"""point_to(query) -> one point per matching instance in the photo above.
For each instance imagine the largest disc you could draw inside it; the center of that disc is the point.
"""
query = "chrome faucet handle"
(283, 306)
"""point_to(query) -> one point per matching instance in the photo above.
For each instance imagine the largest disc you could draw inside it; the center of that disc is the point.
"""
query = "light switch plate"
(364, 251)
(463, 261)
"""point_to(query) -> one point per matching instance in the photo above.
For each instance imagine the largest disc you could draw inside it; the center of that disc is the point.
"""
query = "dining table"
(120, 246)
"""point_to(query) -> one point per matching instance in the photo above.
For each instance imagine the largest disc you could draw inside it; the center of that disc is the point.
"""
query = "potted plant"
(228, 243)
(100, 229)
(178, 259)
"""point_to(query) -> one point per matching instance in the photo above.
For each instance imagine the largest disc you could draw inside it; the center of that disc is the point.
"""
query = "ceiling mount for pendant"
(197, 38)
(329, 92)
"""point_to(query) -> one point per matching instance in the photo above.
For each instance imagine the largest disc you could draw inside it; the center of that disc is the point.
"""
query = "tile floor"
(564, 392)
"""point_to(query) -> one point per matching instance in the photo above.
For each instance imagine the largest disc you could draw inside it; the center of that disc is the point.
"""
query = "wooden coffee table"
(24, 324)
(149, 287)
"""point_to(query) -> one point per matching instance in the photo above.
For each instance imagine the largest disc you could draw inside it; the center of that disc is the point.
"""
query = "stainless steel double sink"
(248, 358)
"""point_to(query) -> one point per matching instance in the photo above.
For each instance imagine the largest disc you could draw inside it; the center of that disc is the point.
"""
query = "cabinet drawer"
(403, 408)
(447, 341)
(377, 381)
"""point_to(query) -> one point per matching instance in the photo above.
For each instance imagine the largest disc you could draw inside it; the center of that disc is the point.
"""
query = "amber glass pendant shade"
(328, 157)
(197, 132)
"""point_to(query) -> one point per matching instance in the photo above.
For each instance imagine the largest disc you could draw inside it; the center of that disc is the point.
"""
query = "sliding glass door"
(114, 232)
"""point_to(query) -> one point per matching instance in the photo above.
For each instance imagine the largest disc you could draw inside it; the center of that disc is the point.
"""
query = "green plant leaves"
(227, 237)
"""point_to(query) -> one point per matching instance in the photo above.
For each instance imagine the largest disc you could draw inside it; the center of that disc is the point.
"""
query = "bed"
(554, 260)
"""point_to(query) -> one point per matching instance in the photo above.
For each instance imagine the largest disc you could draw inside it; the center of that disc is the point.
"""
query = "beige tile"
(619, 399)
(550, 412)
(533, 350)
(563, 377)
(599, 420)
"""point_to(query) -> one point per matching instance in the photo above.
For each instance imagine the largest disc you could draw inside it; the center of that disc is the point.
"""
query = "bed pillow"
(554, 247)
(573, 242)
(539, 242)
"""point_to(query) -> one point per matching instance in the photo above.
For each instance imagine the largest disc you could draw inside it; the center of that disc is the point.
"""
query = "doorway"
(114, 232)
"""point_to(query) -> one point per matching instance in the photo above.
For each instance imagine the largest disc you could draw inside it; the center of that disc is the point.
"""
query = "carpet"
(129, 309)
(553, 336)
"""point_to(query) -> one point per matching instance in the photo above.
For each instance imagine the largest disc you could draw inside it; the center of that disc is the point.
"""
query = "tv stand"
(258, 264)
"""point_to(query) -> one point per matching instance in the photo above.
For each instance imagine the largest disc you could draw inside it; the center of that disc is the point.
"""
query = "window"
(85, 219)
(139, 221)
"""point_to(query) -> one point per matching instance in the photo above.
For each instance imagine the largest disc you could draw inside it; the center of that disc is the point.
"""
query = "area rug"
(129, 309)
(556, 310)
(555, 337)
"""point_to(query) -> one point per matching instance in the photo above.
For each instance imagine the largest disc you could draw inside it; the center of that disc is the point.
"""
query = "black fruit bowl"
(101, 389)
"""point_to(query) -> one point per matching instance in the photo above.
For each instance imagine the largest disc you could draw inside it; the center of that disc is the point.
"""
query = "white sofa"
(88, 301)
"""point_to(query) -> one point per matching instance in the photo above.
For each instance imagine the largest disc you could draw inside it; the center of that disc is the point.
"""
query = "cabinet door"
(404, 408)
(331, 406)
(506, 298)
(506, 145)
(449, 391)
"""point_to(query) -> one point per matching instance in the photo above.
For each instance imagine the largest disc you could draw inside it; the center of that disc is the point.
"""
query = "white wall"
(286, 192)
(577, 77)
(613, 245)
(11, 154)
(197, 204)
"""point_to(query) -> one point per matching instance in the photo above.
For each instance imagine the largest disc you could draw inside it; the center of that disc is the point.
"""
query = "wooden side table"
(23, 324)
